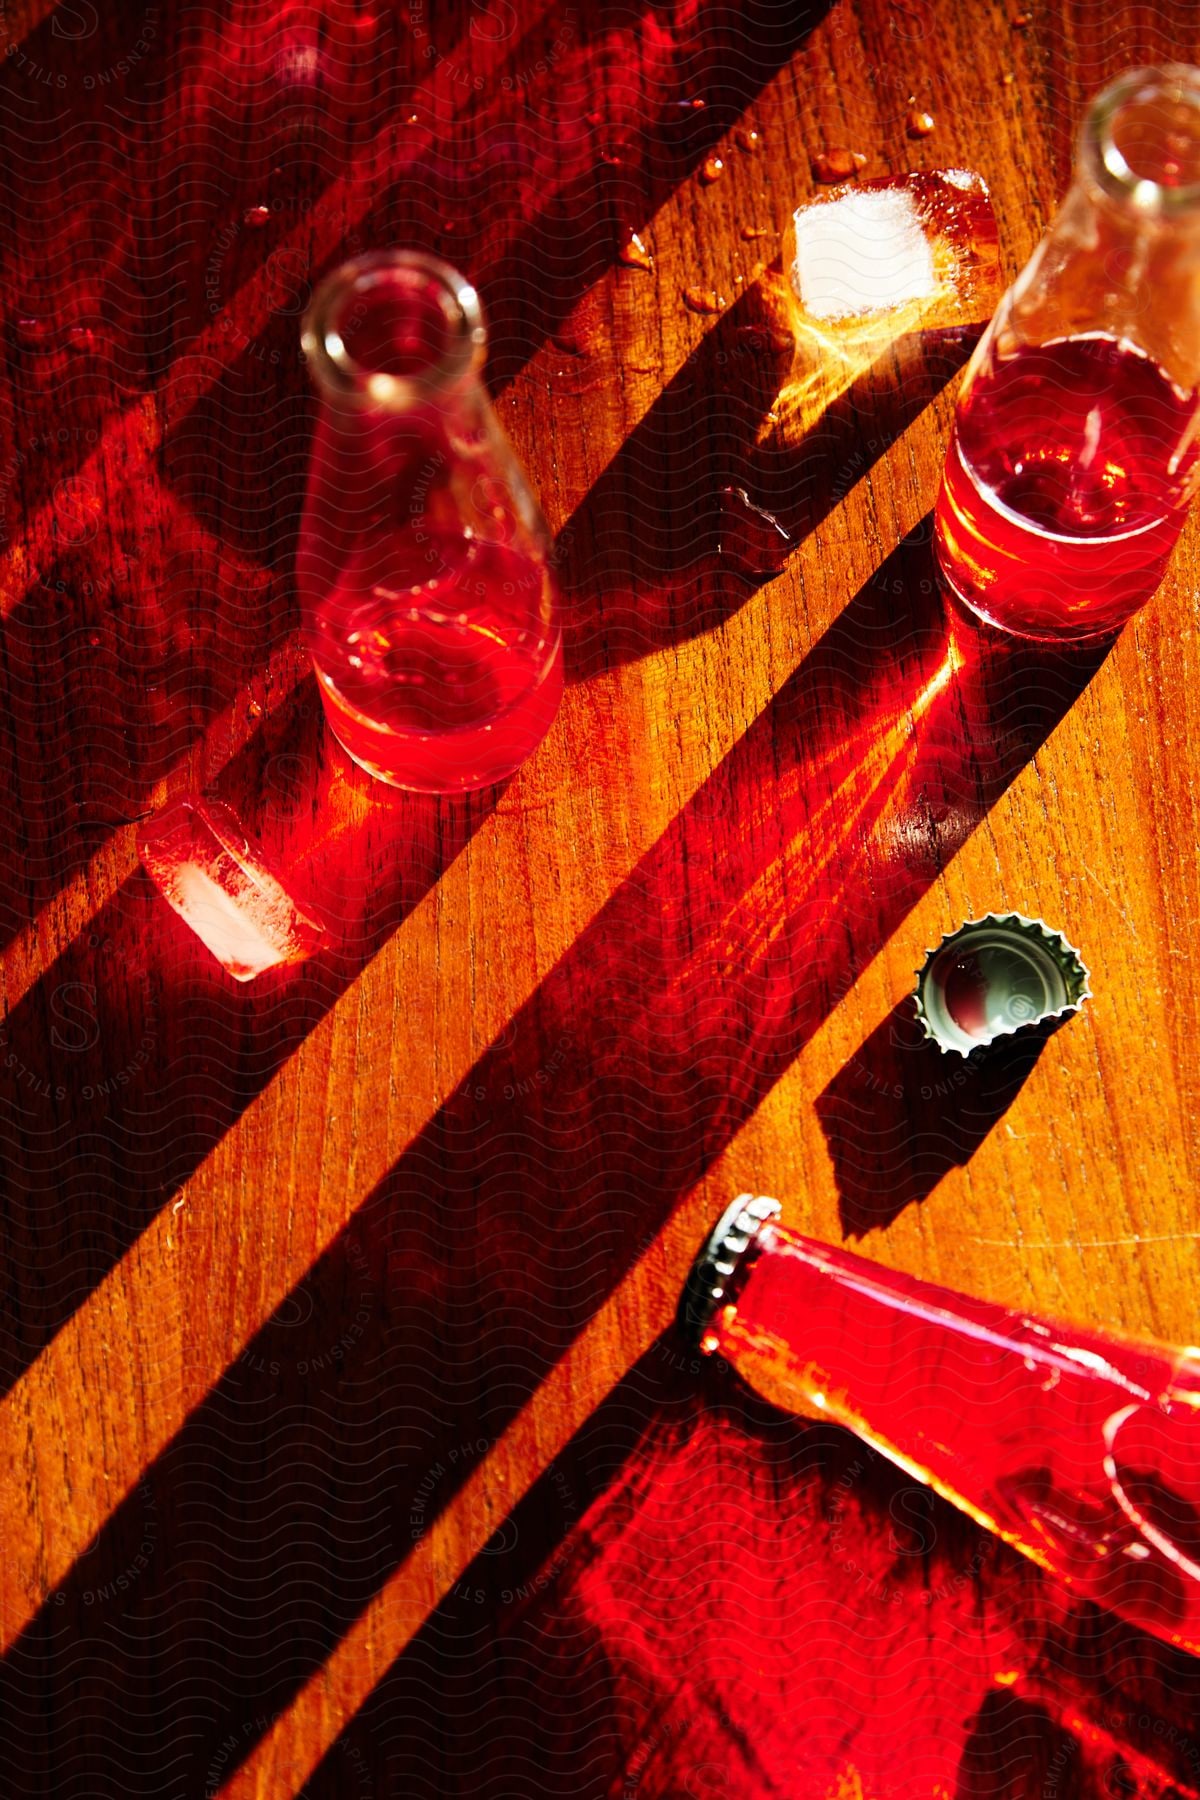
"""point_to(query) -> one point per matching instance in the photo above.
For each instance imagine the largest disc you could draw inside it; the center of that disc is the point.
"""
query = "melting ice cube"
(926, 242)
(865, 252)
(199, 857)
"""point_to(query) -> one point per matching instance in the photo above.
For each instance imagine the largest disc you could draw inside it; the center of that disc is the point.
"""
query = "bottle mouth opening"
(1141, 139)
(393, 327)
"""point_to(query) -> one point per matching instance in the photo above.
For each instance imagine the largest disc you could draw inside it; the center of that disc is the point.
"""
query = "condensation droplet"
(571, 343)
(766, 340)
(33, 331)
(750, 537)
(746, 138)
(837, 165)
(256, 216)
(254, 710)
(702, 300)
(712, 170)
(750, 233)
(634, 254)
(920, 124)
(1020, 21)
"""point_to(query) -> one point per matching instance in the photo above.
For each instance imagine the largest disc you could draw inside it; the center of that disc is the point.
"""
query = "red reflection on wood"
(743, 1605)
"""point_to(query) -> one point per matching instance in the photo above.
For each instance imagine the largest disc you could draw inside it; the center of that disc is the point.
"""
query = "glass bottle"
(1073, 458)
(1079, 1448)
(426, 594)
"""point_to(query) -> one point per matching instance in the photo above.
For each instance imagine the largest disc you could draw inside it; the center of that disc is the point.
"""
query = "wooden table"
(347, 1448)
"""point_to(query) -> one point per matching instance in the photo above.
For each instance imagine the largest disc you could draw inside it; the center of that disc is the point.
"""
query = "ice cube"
(199, 856)
(865, 252)
(924, 243)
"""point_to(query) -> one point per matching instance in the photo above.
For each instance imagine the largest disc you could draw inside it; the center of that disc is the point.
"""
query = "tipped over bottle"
(1079, 1448)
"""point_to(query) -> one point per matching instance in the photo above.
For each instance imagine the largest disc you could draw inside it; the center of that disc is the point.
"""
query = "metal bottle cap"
(707, 1286)
(995, 976)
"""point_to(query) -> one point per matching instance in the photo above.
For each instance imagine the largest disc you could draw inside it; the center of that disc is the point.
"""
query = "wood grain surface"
(346, 1447)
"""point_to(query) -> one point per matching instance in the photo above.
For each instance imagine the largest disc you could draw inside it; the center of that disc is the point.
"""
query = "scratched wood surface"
(346, 1448)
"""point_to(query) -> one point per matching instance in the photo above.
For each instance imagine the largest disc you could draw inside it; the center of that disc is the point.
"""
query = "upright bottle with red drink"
(1073, 459)
(427, 598)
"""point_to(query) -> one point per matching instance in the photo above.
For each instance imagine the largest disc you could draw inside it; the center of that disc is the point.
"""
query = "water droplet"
(610, 157)
(94, 639)
(595, 118)
(256, 216)
(712, 170)
(634, 254)
(751, 232)
(413, 119)
(920, 124)
(33, 331)
(690, 105)
(702, 300)
(1009, 78)
(748, 139)
(1020, 21)
(579, 376)
(766, 340)
(254, 710)
(837, 165)
(750, 536)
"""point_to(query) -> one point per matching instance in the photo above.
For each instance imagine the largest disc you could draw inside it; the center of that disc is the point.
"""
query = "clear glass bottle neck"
(397, 332)
(407, 440)
(1139, 146)
(1122, 257)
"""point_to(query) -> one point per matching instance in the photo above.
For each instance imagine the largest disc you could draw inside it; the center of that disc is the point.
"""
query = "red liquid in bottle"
(422, 570)
(431, 675)
(1065, 487)
(1081, 1449)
